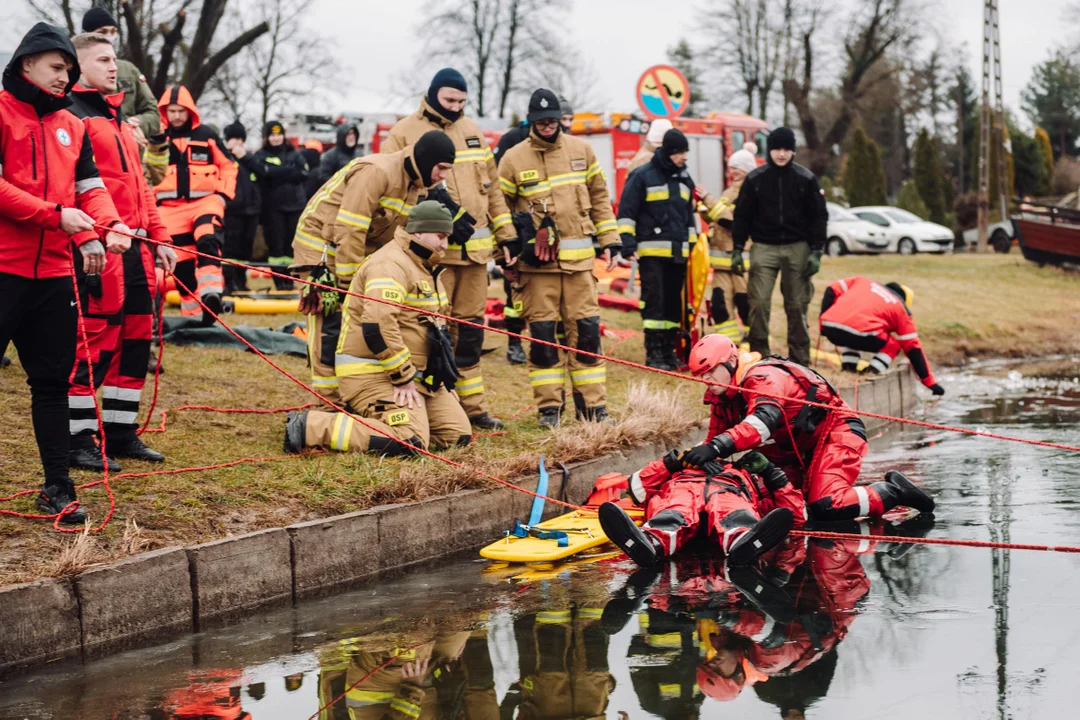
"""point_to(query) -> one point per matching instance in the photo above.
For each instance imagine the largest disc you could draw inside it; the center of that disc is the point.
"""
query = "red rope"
(627, 363)
(157, 367)
(209, 408)
(935, 541)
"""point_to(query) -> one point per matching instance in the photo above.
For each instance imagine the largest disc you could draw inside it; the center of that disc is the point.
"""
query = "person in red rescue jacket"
(761, 404)
(199, 180)
(119, 307)
(51, 200)
(860, 315)
(747, 509)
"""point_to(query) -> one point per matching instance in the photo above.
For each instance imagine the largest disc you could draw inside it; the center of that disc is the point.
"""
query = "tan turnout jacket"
(720, 242)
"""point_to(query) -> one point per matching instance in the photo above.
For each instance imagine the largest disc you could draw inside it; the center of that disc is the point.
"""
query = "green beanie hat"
(430, 216)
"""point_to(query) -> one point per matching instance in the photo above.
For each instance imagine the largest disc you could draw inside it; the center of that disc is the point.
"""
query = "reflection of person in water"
(213, 695)
(562, 653)
(701, 639)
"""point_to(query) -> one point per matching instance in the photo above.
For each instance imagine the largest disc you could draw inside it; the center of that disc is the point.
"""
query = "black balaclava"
(432, 148)
(781, 138)
(544, 105)
(447, 77)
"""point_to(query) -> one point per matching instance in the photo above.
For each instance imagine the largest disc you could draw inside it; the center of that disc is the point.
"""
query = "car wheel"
(1000, 241)
(906, 246)
(835, 247)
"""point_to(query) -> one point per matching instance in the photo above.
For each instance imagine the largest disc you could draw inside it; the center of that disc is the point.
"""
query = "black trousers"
(40, 318)
(662, 282)
(278, 231)
(239, 241)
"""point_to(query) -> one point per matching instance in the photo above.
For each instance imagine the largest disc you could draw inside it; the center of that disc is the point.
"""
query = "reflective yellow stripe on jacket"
(576, 249)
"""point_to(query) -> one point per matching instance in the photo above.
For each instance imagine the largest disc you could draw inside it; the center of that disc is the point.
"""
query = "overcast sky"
(378, 40)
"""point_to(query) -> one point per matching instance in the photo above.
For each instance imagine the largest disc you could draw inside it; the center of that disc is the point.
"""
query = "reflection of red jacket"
(654, 476)
(119, 160)
(752, 419)
(861, 306)
(48, 164)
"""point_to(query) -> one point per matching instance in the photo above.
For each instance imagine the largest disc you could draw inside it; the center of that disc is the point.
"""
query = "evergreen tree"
(1052, 101)
(967, 119)
(1029, 163)
(683, 57)
(929, 176)
(864, 174)
(1043, 139)
(909, 200)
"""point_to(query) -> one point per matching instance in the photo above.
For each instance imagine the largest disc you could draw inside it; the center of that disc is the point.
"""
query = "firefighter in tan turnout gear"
(730, 303)
(353, 214)
(480, 218)
(559, 198)
(395, 366)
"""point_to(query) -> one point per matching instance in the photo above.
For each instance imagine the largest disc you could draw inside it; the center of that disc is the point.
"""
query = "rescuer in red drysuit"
(860, 315)
(744, 508)
(761, 404)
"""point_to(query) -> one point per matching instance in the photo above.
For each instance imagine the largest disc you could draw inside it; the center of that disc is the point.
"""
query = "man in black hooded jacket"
(781, 206)
(345, 149)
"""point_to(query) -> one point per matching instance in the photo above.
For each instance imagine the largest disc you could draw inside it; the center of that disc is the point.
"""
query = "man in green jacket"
(140, 105)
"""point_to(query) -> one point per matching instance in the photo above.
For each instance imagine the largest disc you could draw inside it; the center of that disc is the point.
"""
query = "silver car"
(849, 234)
(907, 233)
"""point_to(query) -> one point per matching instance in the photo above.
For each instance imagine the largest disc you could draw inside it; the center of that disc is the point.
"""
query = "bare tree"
(879, 27)
(530, 40)
(466, 30)
(749, 43)
(156, 39)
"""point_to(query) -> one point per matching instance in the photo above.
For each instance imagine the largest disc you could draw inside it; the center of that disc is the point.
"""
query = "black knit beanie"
(781, 138)
(97, 18)
(675, 142)
(234, 130)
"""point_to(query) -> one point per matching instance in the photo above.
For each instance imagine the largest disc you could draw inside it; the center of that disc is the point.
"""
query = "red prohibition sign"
(669, 92)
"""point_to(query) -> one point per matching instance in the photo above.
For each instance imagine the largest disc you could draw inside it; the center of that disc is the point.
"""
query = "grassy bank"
(965, 305)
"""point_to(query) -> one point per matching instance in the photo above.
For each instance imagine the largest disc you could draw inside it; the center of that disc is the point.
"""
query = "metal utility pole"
(991, 76)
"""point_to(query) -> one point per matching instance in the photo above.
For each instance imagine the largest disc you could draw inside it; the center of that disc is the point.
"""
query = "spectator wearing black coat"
(345, 149)
(282, 172)
(313, 158)
(242, 212)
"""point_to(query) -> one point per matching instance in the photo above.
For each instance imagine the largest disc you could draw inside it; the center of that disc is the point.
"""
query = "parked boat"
(1049, 235)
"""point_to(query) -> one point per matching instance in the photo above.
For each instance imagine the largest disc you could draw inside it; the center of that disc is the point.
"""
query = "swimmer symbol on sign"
(663, 91)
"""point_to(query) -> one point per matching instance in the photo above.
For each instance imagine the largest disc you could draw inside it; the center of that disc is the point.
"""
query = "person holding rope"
(118, 303)
(761, 404)
(395, 366)
(51, 198)
(356, 212)
(860, 315)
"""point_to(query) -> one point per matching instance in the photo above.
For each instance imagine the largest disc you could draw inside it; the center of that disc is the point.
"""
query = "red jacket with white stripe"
(119, 160)
(862, 306)
(46, 164)
(755, 417)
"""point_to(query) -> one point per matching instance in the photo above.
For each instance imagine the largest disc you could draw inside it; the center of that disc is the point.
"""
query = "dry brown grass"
(75, 555)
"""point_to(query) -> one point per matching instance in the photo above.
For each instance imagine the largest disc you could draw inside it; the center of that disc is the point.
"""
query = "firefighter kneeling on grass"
(395, 366)
(557, 192)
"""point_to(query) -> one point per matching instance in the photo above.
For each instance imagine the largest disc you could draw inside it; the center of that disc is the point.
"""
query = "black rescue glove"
(526, 231)
(937, 389)
(721, 446)
(441, 369)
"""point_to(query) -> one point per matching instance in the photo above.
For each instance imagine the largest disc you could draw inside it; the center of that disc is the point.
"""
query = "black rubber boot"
(654, 350)
(765, 595)
(917, 527)
(295, 431)
(54, 498)
(86, 455)
(131, 446)
(628, 600)
(391, 447)
(632, 540)
(515, 354)
(549, 417)
(486, 421)
(599, 414)
(766, 534)
(898, 490)
(212, 301)
(669, 347)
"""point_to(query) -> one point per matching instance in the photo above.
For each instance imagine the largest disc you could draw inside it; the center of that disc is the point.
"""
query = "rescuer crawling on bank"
(395, 366)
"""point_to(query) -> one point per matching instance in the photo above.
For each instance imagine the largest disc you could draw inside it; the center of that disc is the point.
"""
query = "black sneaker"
(88, 457)
(766, 534)
(765, 595)
(53, 500)
(632, 540)
(212, 301)
(549, 417)
(295, 431)
(486, 421)
(515, 354)
(134, 448)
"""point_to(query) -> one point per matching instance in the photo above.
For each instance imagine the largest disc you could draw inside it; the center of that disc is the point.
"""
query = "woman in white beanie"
(729, 290)
(653, 140)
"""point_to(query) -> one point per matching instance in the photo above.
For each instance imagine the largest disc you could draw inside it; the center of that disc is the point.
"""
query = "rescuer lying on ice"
(762, 404)
(747, 509)
(861, 315)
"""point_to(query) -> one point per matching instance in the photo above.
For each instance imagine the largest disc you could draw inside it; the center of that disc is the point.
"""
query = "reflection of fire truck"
(616, 138)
